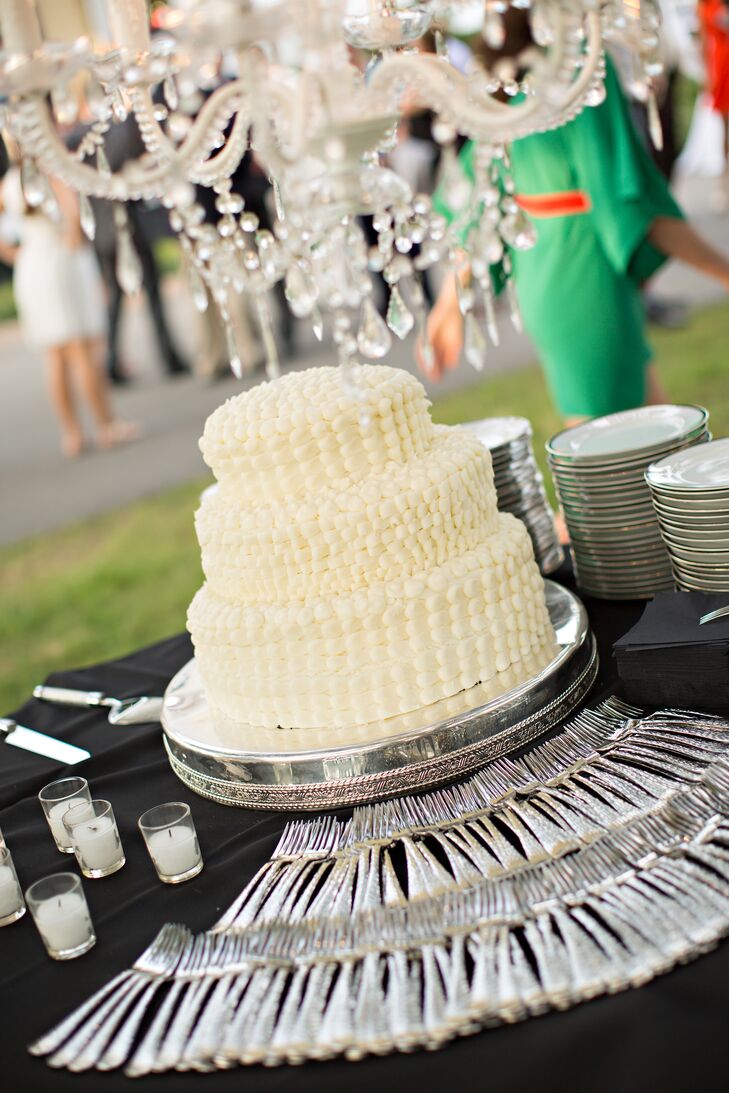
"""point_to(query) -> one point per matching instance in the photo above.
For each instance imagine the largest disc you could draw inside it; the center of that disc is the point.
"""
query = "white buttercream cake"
(357, 568)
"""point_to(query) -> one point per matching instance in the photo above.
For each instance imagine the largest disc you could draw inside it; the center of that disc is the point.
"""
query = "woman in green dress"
(605, 222)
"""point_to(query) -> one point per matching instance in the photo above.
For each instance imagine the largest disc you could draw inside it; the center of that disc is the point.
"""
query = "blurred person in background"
(605, 222)
(122, 143)
(714, 19)
(59, 299)
(250, 182)
(679, 55)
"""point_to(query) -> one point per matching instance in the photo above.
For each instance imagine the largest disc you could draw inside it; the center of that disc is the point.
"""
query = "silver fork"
(94, 1018)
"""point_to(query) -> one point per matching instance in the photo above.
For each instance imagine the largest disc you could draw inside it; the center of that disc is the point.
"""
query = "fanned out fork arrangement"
(593, 863)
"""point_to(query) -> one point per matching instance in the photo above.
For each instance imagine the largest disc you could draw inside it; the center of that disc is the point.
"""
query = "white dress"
(58, 290)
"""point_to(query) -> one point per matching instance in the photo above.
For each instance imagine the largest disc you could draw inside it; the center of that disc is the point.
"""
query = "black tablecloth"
(666, 1036)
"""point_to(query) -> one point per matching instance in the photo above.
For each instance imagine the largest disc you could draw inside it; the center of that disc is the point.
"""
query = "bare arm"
(68, 205)
(677, 239)
(8, 253)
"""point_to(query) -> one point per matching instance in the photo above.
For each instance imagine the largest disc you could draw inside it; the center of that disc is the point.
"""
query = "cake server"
(122, 711)
(30, 740)
(720, 613)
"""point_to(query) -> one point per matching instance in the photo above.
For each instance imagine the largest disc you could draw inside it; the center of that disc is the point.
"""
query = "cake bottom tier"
(379, 652)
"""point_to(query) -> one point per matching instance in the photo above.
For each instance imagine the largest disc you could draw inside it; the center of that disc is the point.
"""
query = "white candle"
(63, 921)
(11, 898)
(129, 24)
(20, 27)
(55, 819)
(174, 850)
(96, 843)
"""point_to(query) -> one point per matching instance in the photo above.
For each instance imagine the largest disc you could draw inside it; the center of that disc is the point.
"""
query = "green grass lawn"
(109, 585)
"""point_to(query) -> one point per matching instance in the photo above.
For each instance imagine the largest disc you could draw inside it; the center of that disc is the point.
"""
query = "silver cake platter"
(281, 770)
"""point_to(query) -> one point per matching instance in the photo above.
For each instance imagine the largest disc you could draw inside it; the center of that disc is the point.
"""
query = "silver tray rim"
(420, 758)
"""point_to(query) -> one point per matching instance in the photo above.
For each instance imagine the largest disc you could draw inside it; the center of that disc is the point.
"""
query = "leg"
(107, 264)
(59, 388)
(173, 363)
(90, 379)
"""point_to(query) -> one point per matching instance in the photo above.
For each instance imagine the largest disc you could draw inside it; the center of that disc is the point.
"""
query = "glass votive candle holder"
(93, 833)
(171, 839)
(56, 798)
(61, 914)
(12, 904)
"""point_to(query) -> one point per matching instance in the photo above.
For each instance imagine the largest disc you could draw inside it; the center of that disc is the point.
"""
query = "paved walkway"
(40, 490)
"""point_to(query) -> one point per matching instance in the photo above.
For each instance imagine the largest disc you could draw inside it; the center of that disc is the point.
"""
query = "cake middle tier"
(376, 652)
(393, 524)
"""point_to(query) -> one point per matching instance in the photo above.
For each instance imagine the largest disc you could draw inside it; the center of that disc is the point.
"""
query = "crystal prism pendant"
(86, 216)
(492, 327)
(197, 289)
(518, 230)
(169, 90)
(273, 365)
(474, 343)
(373, 337)
(32, 182)
(236, 364)
(128, 266)
(399, 319)
(465, 296)
(317, 323)
(102, 163)
(655, 127)
(494, 31)
(514, 309)
(300, 291)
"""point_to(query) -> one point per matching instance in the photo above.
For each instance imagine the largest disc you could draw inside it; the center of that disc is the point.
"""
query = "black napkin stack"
(668, 659)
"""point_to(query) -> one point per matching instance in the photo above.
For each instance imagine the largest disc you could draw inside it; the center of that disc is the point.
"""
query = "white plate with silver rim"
(705, 468)
(496, 432)
(628, 432)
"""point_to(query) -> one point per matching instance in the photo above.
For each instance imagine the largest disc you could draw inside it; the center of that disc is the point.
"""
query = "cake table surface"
(665, 1036)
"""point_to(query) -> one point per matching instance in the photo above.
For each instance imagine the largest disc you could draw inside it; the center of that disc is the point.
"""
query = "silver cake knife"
(30, 740)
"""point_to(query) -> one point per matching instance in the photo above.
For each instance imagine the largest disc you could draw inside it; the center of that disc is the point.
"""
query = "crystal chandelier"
(321, 127)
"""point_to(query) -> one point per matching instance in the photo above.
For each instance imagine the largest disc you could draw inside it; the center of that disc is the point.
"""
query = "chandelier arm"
(592, 60)
(270, 150)
(136, 179)
(213, 168)
(43, 142)
(224, 162)
(476, 113)
(155, 140)
(450, 94)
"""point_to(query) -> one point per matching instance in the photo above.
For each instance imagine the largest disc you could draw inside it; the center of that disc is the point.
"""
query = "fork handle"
(66, 696)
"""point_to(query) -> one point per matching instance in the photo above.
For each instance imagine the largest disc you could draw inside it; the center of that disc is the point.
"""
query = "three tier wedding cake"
(356, 565)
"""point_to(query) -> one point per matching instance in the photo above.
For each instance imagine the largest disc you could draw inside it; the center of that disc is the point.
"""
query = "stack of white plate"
(690, 493)
(519, 483)
(598, 469)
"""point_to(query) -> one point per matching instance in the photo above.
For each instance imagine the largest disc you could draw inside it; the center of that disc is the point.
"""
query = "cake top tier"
(305, 431)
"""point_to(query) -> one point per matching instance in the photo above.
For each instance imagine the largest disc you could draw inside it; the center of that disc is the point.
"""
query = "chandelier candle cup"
(169, 832)
(61, 914)
(94, 836)
(12, 906)
(56, 798)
